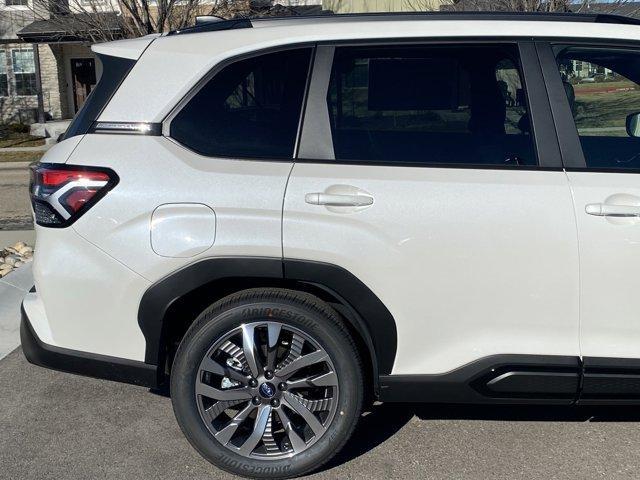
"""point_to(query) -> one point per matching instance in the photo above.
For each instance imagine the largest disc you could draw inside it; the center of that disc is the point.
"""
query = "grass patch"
(20, 156)
(15, 139)
(606, 110)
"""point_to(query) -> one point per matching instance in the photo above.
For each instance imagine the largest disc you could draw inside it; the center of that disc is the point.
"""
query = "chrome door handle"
(604, 210)
(336, 200)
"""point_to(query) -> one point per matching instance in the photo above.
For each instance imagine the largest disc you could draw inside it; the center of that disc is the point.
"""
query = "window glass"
(4, 81)
(249, 109)
(24, 71)
(430, 104)
(603, 89)
(14, 3)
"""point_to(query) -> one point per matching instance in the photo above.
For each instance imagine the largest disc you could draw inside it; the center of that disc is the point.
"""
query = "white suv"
(281, 220)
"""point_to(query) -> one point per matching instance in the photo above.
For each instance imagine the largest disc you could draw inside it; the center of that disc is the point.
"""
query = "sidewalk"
(13, 288)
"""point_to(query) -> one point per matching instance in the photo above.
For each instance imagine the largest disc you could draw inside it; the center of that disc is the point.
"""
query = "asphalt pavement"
(60, 426)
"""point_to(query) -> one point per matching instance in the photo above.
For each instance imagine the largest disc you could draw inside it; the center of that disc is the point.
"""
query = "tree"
(580, 6)
(105, 20)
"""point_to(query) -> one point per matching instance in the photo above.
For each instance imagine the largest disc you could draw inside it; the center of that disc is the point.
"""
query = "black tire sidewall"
(209, 328)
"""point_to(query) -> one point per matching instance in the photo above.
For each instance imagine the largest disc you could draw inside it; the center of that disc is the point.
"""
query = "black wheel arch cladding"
(368, 316)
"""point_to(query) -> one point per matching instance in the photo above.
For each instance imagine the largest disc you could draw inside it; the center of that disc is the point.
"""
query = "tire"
(248, 400)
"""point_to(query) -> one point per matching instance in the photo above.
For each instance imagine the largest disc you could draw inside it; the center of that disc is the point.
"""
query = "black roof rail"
(463, 15)
(214, 26)
(442, 15)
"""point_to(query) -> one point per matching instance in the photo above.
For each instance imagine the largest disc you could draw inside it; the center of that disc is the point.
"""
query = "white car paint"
(470, 263)
(609, 264)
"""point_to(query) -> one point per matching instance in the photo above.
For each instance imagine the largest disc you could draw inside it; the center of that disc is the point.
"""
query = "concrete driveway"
(60, 426)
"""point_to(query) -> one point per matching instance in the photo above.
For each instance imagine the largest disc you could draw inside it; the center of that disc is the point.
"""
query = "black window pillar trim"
(566, 131)
(540, 112)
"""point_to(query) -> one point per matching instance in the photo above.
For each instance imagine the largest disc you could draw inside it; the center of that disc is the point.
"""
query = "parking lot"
(55, 425)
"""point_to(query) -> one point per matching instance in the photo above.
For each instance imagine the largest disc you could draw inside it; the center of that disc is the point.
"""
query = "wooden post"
(36, 60)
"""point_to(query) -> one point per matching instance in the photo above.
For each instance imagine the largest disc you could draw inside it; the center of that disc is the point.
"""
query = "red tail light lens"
(60, 194)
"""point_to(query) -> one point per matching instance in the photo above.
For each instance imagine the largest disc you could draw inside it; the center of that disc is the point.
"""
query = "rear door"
(419, 172)
(598, 92)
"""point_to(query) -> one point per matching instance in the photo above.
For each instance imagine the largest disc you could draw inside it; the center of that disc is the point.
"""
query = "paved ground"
(13, 288)
(15, 213)
(54, 425)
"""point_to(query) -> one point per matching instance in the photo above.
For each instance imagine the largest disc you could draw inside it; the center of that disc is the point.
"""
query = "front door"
(419, 173)
(604, 176)
(83, 79)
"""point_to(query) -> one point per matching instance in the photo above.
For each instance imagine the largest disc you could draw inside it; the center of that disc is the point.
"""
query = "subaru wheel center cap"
(267, 390)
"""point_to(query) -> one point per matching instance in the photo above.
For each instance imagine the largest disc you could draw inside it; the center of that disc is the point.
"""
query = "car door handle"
(604, 210)
(337, 200)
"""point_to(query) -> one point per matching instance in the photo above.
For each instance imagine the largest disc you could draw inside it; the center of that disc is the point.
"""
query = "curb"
(14, 165)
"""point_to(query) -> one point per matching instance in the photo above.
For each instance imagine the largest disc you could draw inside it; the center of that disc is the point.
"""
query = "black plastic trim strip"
(83, 363)
(548, 379)
(610, 381)
(361, 306)
(374, 321)
(158, 298)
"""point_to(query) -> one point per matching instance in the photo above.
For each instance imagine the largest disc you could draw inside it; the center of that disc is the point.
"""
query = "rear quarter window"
(250, 109)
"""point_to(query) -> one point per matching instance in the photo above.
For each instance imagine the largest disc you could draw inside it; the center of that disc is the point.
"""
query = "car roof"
(213, 23)
(173, 64)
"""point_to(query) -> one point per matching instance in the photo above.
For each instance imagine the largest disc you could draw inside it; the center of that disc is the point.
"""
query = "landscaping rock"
(14, 256)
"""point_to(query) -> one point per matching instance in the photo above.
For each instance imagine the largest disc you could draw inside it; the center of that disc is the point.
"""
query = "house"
(51, 56)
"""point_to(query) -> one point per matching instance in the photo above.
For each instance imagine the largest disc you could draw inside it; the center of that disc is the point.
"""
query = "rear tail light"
(60, 194)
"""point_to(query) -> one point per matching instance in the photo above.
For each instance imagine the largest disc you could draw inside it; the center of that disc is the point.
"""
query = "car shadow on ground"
(382, 421)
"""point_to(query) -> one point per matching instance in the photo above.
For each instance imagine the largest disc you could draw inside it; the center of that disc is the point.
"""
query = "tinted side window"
(603, 88)
(249, 109)
(430, 104)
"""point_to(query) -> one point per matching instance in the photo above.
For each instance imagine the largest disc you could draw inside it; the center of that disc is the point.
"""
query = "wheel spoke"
(259, 427)
(225, 435)
(267, 438)
(273, 332)
(209, 365)
(243, 393)
(297, 443)
(319, 405)
(293, 403)
(250, 350)
(295, 349)
(302, 362)
(329, 379)
(217, 408)
(236, 352)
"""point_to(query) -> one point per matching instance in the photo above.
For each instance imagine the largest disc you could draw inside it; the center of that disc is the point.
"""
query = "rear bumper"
(83, 363)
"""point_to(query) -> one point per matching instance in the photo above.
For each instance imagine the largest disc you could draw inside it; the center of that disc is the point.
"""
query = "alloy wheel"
(267, 390)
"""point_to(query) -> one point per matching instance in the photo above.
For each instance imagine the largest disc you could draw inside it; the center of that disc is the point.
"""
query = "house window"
(24, 70)
(4, 80)
(16, 3)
